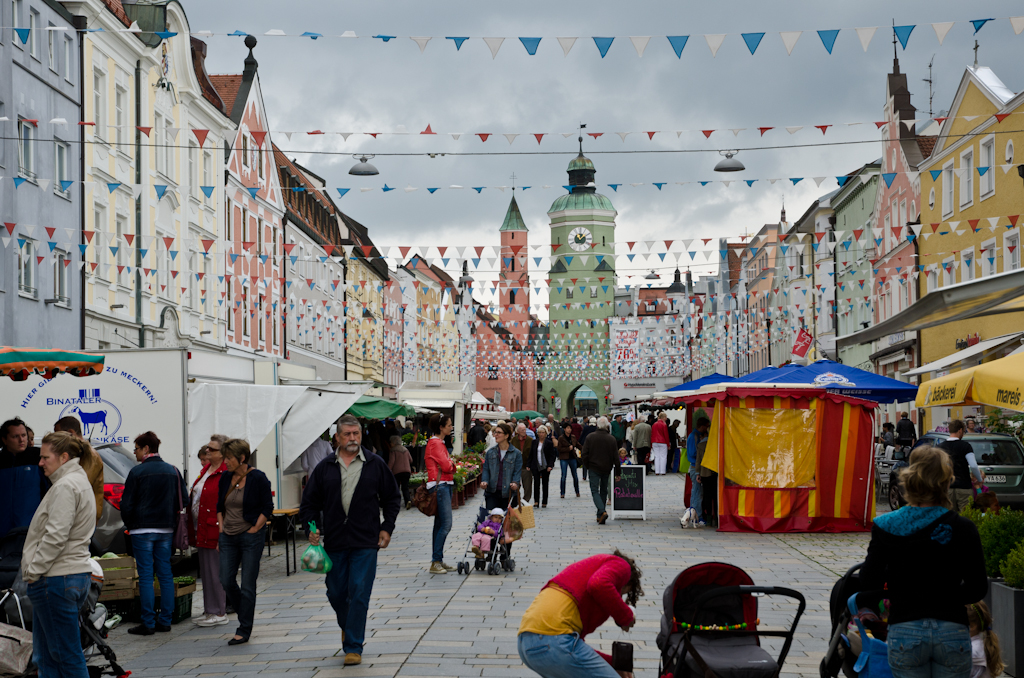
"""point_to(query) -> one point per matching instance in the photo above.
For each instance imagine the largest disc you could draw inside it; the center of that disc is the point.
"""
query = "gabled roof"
(927, 145)
(987, 77)
(210, 92)
(117, 9)
(227, 87)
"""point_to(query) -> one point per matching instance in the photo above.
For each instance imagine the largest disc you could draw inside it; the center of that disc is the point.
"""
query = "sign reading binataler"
(138, 391)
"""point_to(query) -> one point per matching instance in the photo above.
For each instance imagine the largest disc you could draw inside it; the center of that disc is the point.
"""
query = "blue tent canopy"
(703, 381)
(771, 373)
(844, 379)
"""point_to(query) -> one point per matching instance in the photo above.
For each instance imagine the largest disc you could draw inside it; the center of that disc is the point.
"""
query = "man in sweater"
(619, 430)
(345, 495)
(600, 455)
(642, 441)
(964, 465)
(906, 434)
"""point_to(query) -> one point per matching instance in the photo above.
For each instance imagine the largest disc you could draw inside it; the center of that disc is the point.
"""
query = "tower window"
(511, 298)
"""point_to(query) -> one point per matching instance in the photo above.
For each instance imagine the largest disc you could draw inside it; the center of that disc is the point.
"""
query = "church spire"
(513, 218)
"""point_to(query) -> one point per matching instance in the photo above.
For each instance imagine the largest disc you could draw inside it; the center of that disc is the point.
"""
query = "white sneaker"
(200, 620)
(701, 524)
(213, 620)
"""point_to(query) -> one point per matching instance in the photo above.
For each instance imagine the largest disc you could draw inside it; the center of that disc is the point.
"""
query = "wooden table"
(289, 516)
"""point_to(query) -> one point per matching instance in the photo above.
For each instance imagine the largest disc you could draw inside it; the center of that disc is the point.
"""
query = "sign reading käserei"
(629, 489)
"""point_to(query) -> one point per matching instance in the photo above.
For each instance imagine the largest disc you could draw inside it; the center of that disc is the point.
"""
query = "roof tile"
(227, 87)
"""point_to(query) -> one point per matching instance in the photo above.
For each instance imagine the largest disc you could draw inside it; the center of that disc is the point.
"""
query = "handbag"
(512, 525)
(873, 661)
(15, 643)
(180, 540)
(622, 656)
(526, 515)
(425, 500)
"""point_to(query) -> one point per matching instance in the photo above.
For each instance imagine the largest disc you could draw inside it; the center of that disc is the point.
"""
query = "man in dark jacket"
(154, 495)
(964, 465)
(351, 489)
(906, 434)
(600, 455)
(22, 483)
(477, 434)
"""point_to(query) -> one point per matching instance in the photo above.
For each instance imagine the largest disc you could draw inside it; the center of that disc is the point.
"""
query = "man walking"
(154, 494)
(600, 455)
(964, 465)
(477, 434)
(528, 448)
(619, 430)
(556, 428)
(696, 491)
(22, 483)
(906, 434)
(642, 442)
(345, 496)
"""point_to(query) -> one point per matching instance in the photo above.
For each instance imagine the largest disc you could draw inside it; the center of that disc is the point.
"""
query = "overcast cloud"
(365, 85)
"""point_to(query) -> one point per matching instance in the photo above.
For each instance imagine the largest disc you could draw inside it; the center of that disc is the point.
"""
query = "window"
(988, 258)
(33, 34)
(245, 311)
(273, 330)
(947, 190)
(27, 268)
(259, 317)
(120, 116)
(60, 168)
(967, 179)
(259, 162)
(987, 181)
(568, 293)
(932, 279)
(193, 169)
(903, 214)
(949, 273)
(207, 175)
(245, 151)
(99, 98)
(3, 147)
(51, 48)
(15, 21)
(511, 298)
(61, 278)
(122, 250)
(244, 231)
(69, 59)
(99, 224)
(259, 236)
(967, 265)
(168, 141)
(1011, 246)
(231, 304)
(593, 293)
(1009, 151)
(26, 149)
(189, 293)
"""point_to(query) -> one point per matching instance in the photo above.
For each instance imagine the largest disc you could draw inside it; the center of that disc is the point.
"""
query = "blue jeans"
(563, 656)
(599, 491)
(56, 640)
(442, 521)
(696, 492)
(674, 455)
(246, 550)
(570, 463)
(153, 552)
(349, 584)
(929, 648)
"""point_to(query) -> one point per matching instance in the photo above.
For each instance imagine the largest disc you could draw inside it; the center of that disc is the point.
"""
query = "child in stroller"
(489, 530)
(485, 533)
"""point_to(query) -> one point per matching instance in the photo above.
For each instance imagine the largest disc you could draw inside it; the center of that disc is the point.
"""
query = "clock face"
(580, 239)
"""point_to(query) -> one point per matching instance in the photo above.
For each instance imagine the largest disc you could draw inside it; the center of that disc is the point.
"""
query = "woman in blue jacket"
(244, 506)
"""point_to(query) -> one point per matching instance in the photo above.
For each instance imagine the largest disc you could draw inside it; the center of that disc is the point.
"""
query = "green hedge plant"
(1013, 567)
(1000, 534)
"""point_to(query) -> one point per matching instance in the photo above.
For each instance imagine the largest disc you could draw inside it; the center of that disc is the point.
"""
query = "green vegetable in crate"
(315, 559)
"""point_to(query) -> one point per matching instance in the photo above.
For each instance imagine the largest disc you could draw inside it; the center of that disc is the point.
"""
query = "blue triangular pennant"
(113, 186)
(568, 188)
(311, 35)
(935, 174)
(978, 23)
(387, 188)
(614, 187)
(530, 44)
(458, 42)
(842, 180)
(659, 184)
(238, 34)
(982, 171)
(753, 40)
(253, 190)
(166, 34)
(160, 190)
(828, 38)
(431, 190)
(750, 182)
(903, 34)
(478, 189)
(18, 181)
(342, 192)
(603, 45)
(207, 190)
(23, 34)
(385, 38)
(82, 248)
(888, 177)
(678, 42)
(65, 184)
(796, 180)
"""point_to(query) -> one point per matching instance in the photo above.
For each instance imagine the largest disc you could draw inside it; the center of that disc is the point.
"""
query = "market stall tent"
(840, 378)
(698, 383)
(996, 383)
(790, 458)
(371, 407)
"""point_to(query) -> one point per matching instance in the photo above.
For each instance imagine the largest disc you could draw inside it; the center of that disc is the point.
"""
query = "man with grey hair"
(600, 456)
(556, 430)
(345, 496)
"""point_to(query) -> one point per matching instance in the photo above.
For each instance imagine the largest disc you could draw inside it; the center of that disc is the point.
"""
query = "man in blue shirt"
(699, 432)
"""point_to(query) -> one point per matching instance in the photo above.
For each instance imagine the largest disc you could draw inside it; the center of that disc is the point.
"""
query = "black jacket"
(376, 491)
(257, 498)
(477, 434)
(601, 453)
(958, 451)
(148, 499)
(905, 431)
(550, 456)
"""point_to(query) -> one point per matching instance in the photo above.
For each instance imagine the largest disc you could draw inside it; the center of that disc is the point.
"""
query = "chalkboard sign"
(628, 493)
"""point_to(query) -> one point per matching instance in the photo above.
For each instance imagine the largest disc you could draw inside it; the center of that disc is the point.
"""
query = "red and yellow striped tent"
(20, 363)
(790, 459)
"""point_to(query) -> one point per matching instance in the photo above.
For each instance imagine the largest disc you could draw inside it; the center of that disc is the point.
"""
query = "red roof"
(227, 87)
(117, 10)
(927, 145)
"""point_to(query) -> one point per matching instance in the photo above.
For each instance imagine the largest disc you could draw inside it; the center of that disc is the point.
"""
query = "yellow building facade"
(365, 321)
(971, 197)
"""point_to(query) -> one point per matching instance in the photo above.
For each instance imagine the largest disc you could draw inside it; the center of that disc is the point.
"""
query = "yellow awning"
(998, 384)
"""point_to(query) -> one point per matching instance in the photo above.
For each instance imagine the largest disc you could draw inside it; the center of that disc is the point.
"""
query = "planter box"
(1008, 622)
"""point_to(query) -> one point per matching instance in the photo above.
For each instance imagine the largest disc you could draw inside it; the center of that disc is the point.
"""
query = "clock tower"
(582, 295)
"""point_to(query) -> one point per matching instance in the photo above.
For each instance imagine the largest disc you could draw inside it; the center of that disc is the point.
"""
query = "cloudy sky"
(345, 85)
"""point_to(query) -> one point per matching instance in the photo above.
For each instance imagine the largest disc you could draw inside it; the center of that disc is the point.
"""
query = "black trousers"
(403, 483)
(709, 503)
(540, 481)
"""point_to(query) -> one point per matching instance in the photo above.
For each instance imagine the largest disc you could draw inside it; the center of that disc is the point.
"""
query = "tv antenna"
(931, 94)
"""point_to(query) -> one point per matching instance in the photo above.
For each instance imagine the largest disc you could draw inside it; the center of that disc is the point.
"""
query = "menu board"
(628, 493)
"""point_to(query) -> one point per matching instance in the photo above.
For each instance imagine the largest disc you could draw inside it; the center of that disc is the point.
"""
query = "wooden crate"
(116, 594)
(179, 589)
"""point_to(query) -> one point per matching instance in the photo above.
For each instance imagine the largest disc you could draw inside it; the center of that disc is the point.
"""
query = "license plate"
(995, 480)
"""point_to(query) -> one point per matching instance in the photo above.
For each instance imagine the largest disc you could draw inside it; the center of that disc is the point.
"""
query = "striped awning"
(20, 363)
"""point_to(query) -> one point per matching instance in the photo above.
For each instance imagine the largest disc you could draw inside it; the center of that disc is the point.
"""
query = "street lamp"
(652, 276)
(730, 164)
(363, 168)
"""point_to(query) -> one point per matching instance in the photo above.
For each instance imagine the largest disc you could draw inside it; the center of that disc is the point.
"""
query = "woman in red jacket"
(441, 480)
(204, 533)
(572, 605)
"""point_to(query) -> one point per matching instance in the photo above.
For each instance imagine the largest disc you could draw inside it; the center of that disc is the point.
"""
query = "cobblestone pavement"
(454, 625)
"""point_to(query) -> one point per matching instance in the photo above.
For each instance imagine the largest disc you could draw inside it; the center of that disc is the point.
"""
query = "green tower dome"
(580, 162)
(581, 201)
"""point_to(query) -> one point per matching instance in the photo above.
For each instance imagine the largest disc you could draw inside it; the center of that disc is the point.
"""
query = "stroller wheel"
(511, 565)
(465, 567)
(459, 568)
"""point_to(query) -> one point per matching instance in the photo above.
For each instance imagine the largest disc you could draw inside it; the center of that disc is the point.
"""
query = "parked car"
(117, 463)
(885, 461)
(1000, 457)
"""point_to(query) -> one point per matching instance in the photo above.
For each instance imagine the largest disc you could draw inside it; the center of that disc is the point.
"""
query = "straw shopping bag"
(526, 514)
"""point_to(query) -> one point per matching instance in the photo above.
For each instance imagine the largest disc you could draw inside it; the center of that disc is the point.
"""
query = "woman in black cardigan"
(244, 506)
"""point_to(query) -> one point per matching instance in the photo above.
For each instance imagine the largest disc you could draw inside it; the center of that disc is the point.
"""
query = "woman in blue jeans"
(441, 481)
(55, 559)
(931, 560)
(244, 505)
(566, 447)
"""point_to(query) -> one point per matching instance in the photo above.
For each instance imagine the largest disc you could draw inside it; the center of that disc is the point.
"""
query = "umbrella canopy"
(703, 381)
(527, 414)
(844, 379)
(996, 383)
(368, 407)
(770, 373)
(19, 363)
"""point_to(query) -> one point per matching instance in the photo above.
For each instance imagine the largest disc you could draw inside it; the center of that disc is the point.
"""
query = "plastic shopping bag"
(315, 559)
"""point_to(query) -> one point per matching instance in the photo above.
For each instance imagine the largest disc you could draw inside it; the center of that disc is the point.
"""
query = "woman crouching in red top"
(571, 606)
(441, 480)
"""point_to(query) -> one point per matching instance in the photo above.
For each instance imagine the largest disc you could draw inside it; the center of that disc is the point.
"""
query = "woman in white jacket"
(55, 561)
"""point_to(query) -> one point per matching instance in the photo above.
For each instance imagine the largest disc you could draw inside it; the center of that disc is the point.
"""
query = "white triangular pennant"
(865, 35)
(623, 135)
(640, 43)
(422, 42)
(455, 135)
(941, 29)
(510, 137)
(714, 42)
(789, 39)
(566, 44)
(494, 44)
(794, 130)
(1018, 24)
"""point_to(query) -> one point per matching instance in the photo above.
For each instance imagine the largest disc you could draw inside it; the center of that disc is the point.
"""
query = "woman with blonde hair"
(55, 559)
(931, 562)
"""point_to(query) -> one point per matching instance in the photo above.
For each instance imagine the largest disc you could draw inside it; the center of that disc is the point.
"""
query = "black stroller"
(841, 656)
(709, 625)
(495, 560)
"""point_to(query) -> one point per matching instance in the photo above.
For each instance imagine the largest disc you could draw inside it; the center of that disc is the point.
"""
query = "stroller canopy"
(692, 582)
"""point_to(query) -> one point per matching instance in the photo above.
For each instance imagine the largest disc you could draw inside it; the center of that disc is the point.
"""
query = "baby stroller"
(92, 617)
(496, 559)
(709, 625)
(841, 656)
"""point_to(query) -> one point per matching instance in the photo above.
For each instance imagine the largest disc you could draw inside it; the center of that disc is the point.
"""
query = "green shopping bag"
(315, 559)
